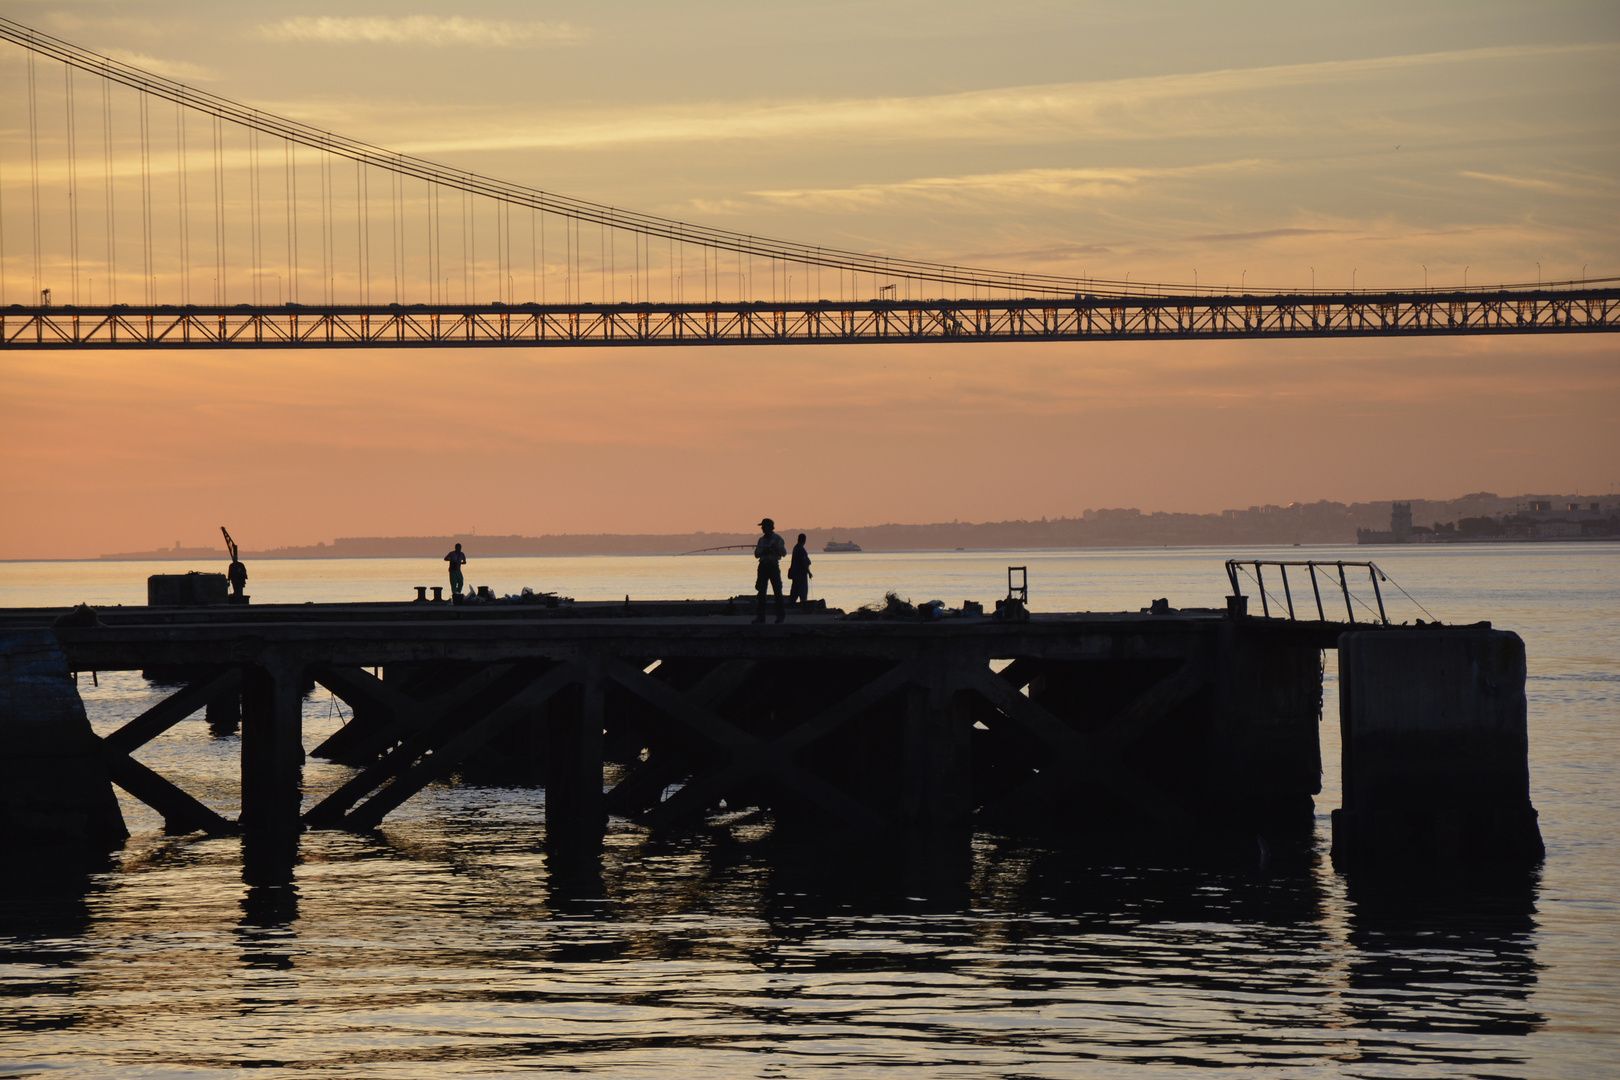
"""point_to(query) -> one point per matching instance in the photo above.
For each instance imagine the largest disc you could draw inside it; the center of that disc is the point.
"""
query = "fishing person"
(770, 551)
(236, 573)
(799, 574)
(457, 559)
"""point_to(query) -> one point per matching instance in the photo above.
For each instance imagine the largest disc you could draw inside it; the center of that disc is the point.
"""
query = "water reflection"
(1444, 951)
(453, 946)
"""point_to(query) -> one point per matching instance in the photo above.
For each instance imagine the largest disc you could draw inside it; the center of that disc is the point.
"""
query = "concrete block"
(186, 590)
(1436, 749)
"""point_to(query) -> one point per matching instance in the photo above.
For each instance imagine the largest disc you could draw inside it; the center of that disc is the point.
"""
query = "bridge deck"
(1389, 314)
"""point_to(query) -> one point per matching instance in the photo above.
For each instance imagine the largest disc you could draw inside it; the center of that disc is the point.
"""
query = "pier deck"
(663, 711)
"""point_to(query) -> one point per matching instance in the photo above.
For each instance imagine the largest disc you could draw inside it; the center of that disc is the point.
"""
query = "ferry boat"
(841, 545)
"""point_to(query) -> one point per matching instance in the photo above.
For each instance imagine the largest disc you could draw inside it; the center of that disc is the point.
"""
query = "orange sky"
(1269, 144)
(106, 454)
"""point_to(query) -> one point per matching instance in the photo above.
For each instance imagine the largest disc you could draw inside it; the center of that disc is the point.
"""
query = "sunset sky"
(1268, 144)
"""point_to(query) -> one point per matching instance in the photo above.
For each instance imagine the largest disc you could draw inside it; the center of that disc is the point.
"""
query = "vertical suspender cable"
(148, 268)
(290, 187)
(396, 225)
(255, 219)
(534, 265)
(33, 172)
(326, 225)
(362, 237)
(184, 202)
(219, 210)
(106, 147)
(73, 184)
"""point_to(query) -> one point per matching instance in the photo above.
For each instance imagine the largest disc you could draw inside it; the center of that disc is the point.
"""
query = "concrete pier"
(55, 789)
(1181, 724)
(1435, 761)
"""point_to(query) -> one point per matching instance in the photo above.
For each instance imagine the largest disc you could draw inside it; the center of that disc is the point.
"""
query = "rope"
(1406, 594)
(1258, 584)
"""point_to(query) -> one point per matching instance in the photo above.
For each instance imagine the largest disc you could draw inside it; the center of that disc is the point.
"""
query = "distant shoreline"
(1520, 541)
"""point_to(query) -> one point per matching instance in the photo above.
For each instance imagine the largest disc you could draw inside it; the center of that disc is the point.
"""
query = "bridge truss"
(828, 322)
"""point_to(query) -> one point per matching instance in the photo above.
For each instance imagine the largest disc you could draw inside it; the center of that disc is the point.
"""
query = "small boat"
(841, 545)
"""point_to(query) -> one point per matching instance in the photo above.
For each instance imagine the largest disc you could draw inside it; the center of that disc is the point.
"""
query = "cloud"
(1207, 104)
(1526, 182)
(1020, 184)
(1263, 234)
(179, 70)
(417, 30)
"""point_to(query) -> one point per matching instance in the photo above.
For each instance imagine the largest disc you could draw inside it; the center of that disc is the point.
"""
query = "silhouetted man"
(799, 574)
(236, 573)
(770, 551)
(457, 559)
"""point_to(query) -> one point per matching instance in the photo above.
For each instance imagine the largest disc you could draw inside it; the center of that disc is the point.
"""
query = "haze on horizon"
(1263, 144)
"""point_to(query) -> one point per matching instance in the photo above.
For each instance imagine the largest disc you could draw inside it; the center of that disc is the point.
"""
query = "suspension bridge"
(162, 216)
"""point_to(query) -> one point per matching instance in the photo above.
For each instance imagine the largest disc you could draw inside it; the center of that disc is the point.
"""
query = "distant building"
(1400, 527)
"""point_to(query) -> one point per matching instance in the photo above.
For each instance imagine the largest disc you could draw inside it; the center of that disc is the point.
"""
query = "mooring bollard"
(421, 594)
(1435, 748)
(438, 594)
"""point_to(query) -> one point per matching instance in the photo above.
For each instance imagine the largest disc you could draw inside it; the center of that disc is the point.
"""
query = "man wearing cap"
(770, 551)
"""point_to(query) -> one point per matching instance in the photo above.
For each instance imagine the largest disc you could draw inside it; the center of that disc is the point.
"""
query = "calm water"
(441, 946)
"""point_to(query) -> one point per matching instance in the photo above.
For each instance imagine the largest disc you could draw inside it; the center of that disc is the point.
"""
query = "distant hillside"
(1304, 523)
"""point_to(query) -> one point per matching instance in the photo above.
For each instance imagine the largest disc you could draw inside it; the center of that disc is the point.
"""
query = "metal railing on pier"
(1334, 570)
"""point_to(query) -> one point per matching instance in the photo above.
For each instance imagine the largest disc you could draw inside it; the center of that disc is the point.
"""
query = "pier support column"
(224, 713)
(55, 790)
(575, 810)
(1265, 756)
(937, 779)
(272, 746)
(1436, 748)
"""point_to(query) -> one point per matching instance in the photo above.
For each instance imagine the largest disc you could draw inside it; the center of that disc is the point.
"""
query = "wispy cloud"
(180, 70)
(1199, 104)
(1526, 182)
(1020, 184)
(417, 30)
(1262, 234)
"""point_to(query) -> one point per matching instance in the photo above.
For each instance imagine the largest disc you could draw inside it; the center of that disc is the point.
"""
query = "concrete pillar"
(576, 814)
(272, 746)
(224, 714)
(54, 788)
(1264, 746)
(1435, 748)
(937, 769)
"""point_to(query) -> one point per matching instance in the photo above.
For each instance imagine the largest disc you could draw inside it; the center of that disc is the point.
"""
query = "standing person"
(799, 574)
(457, 559)
(236, 573)
(770, 551)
